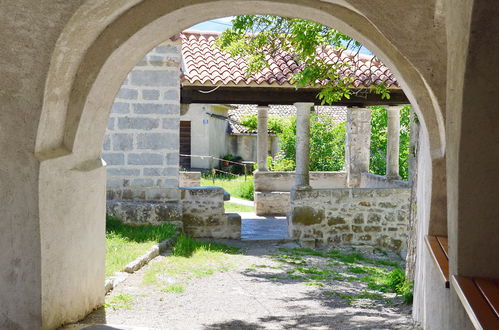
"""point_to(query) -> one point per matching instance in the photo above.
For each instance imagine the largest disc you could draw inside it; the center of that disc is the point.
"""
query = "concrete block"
(141, 182)
(114, 158)
(160, 109)
(138, 123)
(171, 95)
(167, 49)
(150, 94)
(120, 107)
(171, 123)
(161, 171)
(107, 143)
(157, 141)
(156, 60)
(110, 124)
(153, 78)
(172, 158)
(145, 159)
(128, 94)
(122, 142)
(123, 172)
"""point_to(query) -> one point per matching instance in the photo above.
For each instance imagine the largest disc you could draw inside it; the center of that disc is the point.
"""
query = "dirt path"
(269, 286)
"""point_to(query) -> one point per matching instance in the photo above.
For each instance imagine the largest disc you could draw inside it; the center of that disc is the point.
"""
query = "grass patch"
(121, 301)
(190, 259)
(233, 207)
(380, 276)
(174, 288)
(236, 186)
(125, 243)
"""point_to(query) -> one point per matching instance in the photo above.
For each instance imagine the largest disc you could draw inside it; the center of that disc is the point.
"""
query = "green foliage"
(254, 36)
(236, 186)
(121, 301)
(250, 121)
(245, 190)
(327, 145)
(379, 121)
(139, 233)
(125, 243)
(235, 208)
(186, 246)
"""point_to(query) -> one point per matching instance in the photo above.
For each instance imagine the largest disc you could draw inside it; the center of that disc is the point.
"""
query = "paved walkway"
(256, 290)
(241, 201)
(255, 228)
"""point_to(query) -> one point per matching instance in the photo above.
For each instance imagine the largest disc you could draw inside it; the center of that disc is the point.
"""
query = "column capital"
(303, 105)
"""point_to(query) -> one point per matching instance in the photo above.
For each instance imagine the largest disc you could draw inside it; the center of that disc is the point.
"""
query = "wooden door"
(185, 144)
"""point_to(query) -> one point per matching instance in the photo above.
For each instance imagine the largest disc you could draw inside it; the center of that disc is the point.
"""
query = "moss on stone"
(307, 216)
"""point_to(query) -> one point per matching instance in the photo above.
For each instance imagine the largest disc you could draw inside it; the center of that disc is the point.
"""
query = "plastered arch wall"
(98, 47)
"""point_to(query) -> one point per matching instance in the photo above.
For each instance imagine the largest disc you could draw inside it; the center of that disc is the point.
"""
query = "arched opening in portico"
(82, 84)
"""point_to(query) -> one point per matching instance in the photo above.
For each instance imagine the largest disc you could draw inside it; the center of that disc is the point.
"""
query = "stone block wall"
(272, 189)
(369, 180)
(189, 179)
(141, 144)
(203, 214)
(351, 216)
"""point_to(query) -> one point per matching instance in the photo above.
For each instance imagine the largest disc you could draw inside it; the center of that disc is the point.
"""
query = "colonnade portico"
(358, 137)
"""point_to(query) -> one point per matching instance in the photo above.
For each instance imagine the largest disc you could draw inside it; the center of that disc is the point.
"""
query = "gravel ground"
(255, 291)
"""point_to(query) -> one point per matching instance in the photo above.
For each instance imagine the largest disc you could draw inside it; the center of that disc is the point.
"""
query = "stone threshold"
(140, 262)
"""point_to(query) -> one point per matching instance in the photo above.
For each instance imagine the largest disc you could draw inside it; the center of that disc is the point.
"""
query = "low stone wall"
(189, 179)
(272, 189)
(351, 216)
(154, 213)
(203, 214)
(284, 181)
(369, 180)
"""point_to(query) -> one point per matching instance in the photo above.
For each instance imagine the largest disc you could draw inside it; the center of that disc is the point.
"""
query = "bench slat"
(440, 257)
(490, 291)
(442, 240)
(476, 305)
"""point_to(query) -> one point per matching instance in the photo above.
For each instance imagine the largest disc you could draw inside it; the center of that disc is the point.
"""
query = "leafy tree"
(379, 122)
(255, 36)
(327, 145)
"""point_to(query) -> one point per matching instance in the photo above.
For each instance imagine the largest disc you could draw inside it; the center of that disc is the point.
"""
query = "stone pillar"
(393, 141)
(358, 142)
(302, 179)
(262, 139)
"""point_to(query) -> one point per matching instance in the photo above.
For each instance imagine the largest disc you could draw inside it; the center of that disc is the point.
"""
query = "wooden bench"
(439, 250)
(480, 298)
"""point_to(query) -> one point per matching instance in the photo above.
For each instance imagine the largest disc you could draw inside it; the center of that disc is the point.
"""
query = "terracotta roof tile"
(204, 63)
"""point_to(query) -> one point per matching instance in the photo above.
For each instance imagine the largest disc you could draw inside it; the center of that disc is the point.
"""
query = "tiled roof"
(205, 64)
(339, 114)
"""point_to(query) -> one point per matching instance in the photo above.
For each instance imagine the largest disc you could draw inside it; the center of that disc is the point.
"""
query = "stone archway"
(99, 45)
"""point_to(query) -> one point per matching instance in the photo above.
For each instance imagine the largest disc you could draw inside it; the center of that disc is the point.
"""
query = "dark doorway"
(185, 144)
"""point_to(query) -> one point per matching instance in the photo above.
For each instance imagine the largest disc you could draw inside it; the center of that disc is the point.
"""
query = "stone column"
(358, 142)
(302, 179)
(393, 141)
(262, 139)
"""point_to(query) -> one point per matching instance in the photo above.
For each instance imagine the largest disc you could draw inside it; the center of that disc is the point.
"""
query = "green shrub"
(398, 283)
(250, 121)
(246, 190)
(379, 122)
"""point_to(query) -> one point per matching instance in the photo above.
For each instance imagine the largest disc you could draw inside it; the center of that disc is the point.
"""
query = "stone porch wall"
(272, 189)
(203, 214)
(369, 180)
(352, 216)
(141, 144)
(189, 179)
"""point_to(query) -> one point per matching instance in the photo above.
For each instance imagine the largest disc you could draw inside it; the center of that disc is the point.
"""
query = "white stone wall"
(141, 144)
(351, 216)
